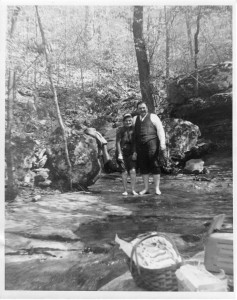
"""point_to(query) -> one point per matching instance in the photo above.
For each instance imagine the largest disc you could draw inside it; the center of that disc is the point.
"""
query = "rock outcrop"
(213, 79)
(213, 115)
(211, 109)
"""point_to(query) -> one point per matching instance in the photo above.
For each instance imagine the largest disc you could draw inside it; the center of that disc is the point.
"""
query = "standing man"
(149, 140)
(124, 151)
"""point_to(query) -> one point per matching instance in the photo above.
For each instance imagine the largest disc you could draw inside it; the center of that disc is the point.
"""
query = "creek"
(65, 242)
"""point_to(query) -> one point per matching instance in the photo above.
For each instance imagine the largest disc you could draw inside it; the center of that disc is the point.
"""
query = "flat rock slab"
(66, 241)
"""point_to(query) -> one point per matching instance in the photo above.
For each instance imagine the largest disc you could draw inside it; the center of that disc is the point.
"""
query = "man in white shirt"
(149, 138)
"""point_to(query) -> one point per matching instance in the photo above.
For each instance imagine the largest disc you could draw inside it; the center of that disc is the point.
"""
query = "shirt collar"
(142, 118)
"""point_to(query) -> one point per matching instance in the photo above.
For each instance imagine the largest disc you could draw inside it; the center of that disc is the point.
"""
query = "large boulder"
(83, 154)
(50, 168)
(213, 79)
(181, 136)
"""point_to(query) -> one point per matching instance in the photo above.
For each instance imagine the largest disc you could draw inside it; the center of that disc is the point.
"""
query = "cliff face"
(211, 110)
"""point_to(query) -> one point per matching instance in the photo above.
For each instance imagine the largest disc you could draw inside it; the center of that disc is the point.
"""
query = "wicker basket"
(154, 279)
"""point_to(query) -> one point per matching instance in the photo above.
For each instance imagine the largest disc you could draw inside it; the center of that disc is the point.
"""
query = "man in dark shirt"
(124, 151)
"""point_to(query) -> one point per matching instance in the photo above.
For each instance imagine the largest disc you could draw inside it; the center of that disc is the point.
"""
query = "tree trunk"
(196, 50)
(86, 34)
(11, 190)
(27, 39)
(143, 65)
(65, 53)
(148, 27)
(189, 33)
(207, 40)
(167, 48)
(157, 32)
(14, 20)
(48, 63)
(82, 81)
(65, 58)
(35, 65)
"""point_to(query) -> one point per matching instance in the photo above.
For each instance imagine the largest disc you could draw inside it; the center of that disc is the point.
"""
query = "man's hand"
(163, 154)
(120, 157)
(134, 156)
(163, 157)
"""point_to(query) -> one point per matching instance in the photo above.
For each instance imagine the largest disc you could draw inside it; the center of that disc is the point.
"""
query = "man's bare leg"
(124, 180)
(156, 178)
(133, 180)
(146, 184)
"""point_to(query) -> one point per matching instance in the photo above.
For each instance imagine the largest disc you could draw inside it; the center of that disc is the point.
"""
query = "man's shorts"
(127, 164)
(147, 156)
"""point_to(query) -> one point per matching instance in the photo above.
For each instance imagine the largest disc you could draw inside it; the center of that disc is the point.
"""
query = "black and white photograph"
(88, 90)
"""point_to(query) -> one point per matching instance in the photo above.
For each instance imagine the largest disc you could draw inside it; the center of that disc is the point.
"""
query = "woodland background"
(86, 72)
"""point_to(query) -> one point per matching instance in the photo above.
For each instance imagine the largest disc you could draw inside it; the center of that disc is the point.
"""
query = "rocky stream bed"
(65, 242)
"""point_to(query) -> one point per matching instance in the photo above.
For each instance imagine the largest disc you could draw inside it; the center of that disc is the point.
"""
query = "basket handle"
(134, 249)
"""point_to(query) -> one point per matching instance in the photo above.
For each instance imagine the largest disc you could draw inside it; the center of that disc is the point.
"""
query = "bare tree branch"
(48, 65)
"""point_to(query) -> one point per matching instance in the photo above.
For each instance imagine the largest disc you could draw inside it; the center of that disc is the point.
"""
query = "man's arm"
(134, 150)
(160, 130)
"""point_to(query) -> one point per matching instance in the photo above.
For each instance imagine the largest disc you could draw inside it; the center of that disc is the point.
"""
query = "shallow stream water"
(66, 241)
